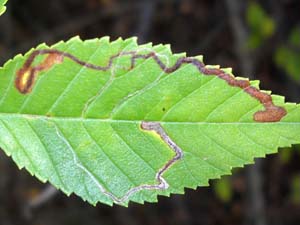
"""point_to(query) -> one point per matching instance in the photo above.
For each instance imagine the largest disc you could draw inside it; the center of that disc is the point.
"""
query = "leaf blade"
(80, 128)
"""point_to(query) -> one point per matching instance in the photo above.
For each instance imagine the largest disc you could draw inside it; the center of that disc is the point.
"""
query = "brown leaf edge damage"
(27, 76)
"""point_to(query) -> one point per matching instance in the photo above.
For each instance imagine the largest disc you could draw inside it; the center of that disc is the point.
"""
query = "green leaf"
(2, 7)
(117, 122)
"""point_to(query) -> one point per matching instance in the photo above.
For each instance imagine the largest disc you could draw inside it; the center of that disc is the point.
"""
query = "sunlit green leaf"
(118, 122)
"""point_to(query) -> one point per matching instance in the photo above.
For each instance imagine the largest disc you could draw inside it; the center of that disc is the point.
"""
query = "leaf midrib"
(65, 118)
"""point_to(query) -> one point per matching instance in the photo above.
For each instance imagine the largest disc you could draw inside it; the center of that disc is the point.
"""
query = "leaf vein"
(69, 86)
(222, 103)
(48, 155)
(19, 144)
(97, 180)
(223, 148)
(101, 148)
(185, 97)
(132, 150)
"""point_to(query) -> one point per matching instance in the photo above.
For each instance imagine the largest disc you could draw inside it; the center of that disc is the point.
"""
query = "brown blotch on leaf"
(24, 80)
(26, 76)
(51, 59)
(270, 114)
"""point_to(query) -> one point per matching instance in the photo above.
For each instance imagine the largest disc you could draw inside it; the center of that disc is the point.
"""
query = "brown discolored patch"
(270, 114)
(27, 75)
(25, 79)
(264, 98)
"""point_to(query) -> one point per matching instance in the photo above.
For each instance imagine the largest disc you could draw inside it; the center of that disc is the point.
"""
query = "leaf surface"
(115, 122)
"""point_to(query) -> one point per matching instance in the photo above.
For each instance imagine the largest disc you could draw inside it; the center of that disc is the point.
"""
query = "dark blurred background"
(259, 39)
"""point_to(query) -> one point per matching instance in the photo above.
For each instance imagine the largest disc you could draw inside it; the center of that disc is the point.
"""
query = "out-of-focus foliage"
(288, 56)
(295, 189)
(223, 189)
(285, 155)
(261, 25)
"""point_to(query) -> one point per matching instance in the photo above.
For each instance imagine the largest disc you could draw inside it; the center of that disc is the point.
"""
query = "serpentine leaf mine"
(26, 76)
